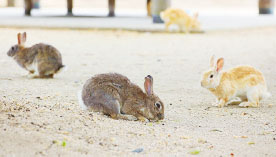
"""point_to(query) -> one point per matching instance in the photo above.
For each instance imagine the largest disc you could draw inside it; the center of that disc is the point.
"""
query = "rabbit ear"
(220, 64)
(24, 38)
(212, 61)
(148, 85)
(19, 38)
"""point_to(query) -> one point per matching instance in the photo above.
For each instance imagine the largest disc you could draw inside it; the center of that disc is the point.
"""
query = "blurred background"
(213, 14)
(138, 6)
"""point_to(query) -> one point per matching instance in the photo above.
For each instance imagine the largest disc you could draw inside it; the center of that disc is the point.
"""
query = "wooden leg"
(69, 7)
(266, 6)
(111, 7)
(10, 3)
(149, 7)
(28, 7)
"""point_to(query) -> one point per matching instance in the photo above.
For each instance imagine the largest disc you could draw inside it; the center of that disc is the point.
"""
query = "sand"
(42, 117)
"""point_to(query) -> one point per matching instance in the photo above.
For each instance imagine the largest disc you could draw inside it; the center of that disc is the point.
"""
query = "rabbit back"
(99, 91)
(246, 76)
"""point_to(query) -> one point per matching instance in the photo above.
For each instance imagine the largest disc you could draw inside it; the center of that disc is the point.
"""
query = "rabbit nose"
(160, 116)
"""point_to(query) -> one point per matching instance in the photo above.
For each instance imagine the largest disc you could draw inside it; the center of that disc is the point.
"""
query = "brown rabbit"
(41, 60)
(113, 94)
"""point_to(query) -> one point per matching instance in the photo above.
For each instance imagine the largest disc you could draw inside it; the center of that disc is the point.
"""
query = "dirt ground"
(41, 117)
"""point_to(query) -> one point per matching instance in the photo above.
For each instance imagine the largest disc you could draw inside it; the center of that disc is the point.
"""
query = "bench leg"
(149, 7)
(28, 7)
(10, 3)
(111, 7)
(70, 7)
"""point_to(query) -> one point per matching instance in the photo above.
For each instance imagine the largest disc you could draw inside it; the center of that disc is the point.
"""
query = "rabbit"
(113, 94)
(41, 60)
(243, 84)
(181, 18)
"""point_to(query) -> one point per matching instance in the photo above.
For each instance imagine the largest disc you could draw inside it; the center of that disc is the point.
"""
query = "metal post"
(157, 7)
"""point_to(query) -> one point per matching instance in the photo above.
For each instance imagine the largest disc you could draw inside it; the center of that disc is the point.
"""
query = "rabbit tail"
(81, 103)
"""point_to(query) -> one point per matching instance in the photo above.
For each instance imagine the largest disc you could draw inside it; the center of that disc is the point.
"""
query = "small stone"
(54, 141)
(202, 141)
(244, 113)
(138, 150)
(211, 147)
(250, 143)
(184, 137)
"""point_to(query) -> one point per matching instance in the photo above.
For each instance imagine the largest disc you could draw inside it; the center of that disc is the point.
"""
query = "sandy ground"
(41, 117)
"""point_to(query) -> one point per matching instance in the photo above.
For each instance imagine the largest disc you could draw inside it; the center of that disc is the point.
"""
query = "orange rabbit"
(180, 18)
(242, 84)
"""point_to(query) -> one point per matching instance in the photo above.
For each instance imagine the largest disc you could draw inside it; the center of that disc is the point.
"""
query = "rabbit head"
(163, 16)
(153, 103)
(211, 78)
(17, 48)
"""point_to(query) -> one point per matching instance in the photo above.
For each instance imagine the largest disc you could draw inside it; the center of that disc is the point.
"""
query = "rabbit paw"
(31, 75)
(123, 116)
(233, 101)
(143, 119)
(128, 117)
(220, 105)
(215, 104)
(244, 104)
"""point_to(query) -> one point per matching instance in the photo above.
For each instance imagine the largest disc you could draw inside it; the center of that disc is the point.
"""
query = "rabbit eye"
(158, 105)
(12, 48)
(211, 76)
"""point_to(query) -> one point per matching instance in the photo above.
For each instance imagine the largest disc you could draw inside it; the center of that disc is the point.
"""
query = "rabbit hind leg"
(46, 70)
(252, 97)
(112, 107)
(167, 25)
